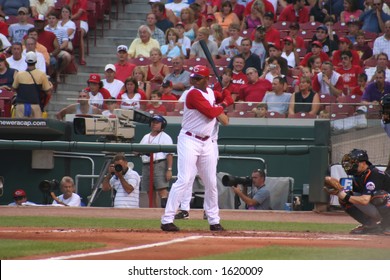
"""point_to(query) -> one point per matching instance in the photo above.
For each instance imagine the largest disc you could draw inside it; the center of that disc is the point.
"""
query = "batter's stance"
(196, 153)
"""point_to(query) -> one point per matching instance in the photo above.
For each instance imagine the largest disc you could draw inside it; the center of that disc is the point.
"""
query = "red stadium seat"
(341, 109)
(351, 99)
(373, 111)
(140, 61)
(244, 106)
(327, 98)
(275, 115)
(281, 25)
(302, 115)
(241, 114)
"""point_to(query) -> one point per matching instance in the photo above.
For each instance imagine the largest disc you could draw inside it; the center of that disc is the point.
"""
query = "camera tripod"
(96, 189)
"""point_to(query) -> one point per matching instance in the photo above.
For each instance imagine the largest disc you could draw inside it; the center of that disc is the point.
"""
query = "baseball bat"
(210, 60)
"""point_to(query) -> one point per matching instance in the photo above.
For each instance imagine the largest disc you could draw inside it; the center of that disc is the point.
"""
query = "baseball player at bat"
(196, 150)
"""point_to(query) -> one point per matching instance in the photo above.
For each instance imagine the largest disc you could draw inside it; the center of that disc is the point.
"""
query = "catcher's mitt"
(332, 185)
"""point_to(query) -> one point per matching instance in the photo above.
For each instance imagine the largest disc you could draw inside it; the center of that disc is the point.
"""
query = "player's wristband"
(347, 197)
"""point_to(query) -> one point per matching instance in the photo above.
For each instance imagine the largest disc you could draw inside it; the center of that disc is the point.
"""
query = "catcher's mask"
(350, 161)
(385, 106)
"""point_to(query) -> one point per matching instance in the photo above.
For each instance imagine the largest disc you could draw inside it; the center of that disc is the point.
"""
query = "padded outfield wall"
(290, 148)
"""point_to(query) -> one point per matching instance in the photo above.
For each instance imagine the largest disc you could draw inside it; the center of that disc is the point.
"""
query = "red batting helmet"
(19, 192)
(200, 71)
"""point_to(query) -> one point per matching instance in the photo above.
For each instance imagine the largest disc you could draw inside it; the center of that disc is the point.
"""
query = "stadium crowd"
(279, 51)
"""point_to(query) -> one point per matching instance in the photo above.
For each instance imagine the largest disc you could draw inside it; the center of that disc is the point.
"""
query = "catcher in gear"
(369, 201)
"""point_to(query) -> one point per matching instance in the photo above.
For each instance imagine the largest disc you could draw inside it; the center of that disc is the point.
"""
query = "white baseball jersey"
(129, 103)
(160, 139)
(122, 198)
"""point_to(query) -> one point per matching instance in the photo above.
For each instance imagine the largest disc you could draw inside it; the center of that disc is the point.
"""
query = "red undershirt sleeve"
(196, 101)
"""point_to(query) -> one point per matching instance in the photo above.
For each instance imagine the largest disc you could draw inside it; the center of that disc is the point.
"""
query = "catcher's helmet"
(350, 161)
(160, 119)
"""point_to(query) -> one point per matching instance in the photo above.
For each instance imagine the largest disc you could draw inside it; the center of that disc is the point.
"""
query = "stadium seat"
(6, 98)
(309, 26)
(167, 61)
(351, 99)
(281, 25)
(373, 111)
(244, 106)
(140, 61)
(175, 113)
(340, 28)
(341, 109)
(2, 110)
(222, 62)
(302, 115)
(275, 115)
(371, 62)
(241, 114)
(92, 20)
(327, 98)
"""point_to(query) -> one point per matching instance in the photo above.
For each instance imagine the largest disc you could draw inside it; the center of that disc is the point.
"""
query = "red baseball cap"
(94, 78)
(200, 71)
(344, 40)
(2, 56)
(19, 192)
(210, 17)
(317, 43)
(288, 39)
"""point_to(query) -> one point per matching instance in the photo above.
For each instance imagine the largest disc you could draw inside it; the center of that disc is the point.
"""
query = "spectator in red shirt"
(293, 33)
(124, 68)
(345, 45)
(316, 49)
(362, 82)
(155, 106)
(238, 9)
(348, 71)
(268, 7)
(295, 12)
(238, 77)
(256, 88)
(167, 95)
(79, 12)
(328, 81)
(272, 35)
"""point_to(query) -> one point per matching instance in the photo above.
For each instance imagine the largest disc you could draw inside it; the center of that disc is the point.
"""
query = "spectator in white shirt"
(113, 85)
(17, 60)
(382, 43)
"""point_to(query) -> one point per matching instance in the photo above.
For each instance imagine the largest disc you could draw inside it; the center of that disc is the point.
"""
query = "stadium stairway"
(123, 31)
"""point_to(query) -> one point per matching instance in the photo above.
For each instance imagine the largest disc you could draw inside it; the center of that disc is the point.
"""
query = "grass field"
(13, 249)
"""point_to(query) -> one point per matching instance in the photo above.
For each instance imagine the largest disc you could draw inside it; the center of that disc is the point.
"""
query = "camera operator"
(124, 181)
(68, 197)
(258, 200)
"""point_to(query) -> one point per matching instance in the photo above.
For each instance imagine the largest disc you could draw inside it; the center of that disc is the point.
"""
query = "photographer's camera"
(229, 180)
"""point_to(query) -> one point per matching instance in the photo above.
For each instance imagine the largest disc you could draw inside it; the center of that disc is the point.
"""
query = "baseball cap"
(354, 21)
(294, 25)
(154, 1)
(273, 45)
(200, 71)
(2, 56)
(31, 57)
(322, 27)
(361, 109)
(180, 23)
(110, 66)
(166, 84)
(23, 10)
(344, 40)
(122, 48)
(288, 39)
(260, 28)
(269, 14)
(94, 78)
(39, 18)
(210, 17)
(19, 192)
(317, 43)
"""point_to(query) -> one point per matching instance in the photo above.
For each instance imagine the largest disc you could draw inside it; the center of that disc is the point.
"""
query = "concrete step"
(124, 32)
(138, 8)
(112, 40)
(126, 23)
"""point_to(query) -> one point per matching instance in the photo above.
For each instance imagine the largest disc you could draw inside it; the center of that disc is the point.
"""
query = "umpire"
(368, 202)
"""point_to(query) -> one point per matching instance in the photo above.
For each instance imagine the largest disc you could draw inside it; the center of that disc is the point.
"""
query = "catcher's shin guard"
(359, 216)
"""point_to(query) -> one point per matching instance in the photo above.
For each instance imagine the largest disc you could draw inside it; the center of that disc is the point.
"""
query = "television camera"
(121, 127)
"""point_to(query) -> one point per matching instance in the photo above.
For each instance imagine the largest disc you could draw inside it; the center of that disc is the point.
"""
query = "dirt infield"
(154, 244)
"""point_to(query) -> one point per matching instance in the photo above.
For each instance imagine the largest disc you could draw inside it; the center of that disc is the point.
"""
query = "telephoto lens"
(118, 167)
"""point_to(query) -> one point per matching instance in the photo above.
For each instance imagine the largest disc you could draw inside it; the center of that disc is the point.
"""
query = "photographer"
(68, 197)
(124, 181)
(259, 199)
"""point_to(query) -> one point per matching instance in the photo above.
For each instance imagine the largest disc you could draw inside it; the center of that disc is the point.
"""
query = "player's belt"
(156, 161)
(197, 136)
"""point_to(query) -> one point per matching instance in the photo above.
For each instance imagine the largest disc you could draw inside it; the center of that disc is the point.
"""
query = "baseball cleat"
(204, 215)
(365, 229)
(216, 227)
(182, 214)
(386, 231)
(169, 227)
